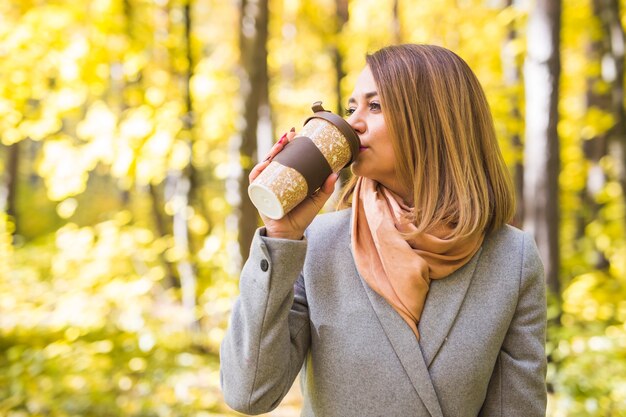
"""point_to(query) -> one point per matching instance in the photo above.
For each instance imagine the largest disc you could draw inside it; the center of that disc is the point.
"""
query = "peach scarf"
(398, 269)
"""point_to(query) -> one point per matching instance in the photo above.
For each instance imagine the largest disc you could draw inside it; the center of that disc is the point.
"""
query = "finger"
(291, 134)
(305, 212)
(316, 202)
(326, 190)
(329, 185)
(258, 169)
(278, 146)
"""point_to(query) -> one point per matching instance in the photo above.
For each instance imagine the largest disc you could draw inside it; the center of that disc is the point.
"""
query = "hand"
(293, 225)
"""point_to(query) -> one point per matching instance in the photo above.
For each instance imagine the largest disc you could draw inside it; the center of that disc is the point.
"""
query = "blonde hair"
(444, 140)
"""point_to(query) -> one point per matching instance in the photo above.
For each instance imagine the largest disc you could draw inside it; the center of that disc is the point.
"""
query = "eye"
(375, 106)
(350, 110)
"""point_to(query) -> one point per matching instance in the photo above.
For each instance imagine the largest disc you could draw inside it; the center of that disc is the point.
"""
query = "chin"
(361, 173)
(364, 171)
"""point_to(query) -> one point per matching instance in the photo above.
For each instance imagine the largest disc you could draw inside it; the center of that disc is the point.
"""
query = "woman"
(418, 300)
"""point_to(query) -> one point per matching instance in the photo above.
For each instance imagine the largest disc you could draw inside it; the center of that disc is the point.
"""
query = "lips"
(362, 148)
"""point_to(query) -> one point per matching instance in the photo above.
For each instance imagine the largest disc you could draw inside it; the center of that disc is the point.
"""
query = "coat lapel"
(407, 348)
(443, 303)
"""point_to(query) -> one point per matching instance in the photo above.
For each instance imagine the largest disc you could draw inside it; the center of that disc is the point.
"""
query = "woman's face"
(376, 159)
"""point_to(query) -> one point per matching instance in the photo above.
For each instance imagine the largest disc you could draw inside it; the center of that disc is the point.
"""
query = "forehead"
(364, 83)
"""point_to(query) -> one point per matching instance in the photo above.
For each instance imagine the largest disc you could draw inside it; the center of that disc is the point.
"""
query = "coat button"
(264, 265)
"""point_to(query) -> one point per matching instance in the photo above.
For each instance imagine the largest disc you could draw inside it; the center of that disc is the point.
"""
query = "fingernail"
(282, 139)
(293, 129)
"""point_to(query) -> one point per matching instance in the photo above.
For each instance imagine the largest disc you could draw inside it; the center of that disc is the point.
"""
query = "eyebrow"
(367, 96)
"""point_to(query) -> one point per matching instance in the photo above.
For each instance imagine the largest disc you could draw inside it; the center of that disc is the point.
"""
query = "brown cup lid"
(343, 126)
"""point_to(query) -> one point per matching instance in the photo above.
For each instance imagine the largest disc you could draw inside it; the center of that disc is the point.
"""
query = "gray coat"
(482, 333)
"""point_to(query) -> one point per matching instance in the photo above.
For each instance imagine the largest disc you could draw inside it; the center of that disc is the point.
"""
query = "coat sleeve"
(518, 386)
(269, 334)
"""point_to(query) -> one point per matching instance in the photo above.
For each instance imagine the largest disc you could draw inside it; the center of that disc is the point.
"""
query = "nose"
(356, 122)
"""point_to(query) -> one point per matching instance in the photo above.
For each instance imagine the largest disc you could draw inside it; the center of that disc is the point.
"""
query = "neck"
(402, 192)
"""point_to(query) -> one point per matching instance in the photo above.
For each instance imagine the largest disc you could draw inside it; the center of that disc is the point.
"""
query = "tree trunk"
(541, 156)
(614, 31)
(8, 191)
(171, 277)
(189, 121)
(599, 99)
(341, 10)
(396, 29)
(512, 78)
(11, 183)
(342, 16)
(253, 27)
(116, 98)
(182, 188)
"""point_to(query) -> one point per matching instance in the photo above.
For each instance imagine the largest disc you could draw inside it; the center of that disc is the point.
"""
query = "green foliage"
(588, 371)
(91, 328)
(92, 317)
(587, 340)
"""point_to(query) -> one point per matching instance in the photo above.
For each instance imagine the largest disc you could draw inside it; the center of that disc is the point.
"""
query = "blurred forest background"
(127, 131)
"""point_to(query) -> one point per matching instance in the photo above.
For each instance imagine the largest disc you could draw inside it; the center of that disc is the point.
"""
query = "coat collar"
(442, 305)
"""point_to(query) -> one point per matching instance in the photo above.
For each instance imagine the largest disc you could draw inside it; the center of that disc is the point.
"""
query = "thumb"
(311, 206)
(325, 191)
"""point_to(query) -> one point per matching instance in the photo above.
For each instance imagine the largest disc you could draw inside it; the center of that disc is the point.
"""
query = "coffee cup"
(325, 144)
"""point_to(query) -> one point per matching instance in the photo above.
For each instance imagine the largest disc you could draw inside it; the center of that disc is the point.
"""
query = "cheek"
(388, 159)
